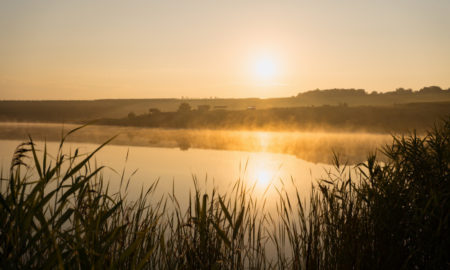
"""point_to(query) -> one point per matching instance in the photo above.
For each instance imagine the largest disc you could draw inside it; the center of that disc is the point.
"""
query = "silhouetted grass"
(59, 213)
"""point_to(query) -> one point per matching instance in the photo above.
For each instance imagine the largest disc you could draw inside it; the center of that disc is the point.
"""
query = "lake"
(266, 161)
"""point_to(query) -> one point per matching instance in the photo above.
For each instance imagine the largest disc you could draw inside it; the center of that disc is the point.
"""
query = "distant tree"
(403, 91)
(184, 107)
(131, 115)
(430, 90)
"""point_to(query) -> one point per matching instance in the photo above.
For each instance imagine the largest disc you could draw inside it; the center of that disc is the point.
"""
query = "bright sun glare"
(265, 68)
(263, 178)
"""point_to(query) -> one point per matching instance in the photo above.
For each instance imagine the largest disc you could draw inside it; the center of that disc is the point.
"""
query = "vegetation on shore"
(58, 213)
(341, 118)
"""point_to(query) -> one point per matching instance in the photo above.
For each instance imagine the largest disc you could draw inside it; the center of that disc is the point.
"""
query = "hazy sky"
(145, 49)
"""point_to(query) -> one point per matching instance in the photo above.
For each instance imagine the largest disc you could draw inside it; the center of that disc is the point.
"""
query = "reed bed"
(59, 212)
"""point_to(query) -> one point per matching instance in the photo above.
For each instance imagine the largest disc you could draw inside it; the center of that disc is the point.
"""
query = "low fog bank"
(317, 147)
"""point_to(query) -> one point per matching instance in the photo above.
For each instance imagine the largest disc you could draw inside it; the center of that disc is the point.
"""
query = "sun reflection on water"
(263, 178)
(262, 172)
(264, 138)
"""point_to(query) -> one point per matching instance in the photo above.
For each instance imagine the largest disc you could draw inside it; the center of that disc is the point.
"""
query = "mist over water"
(266, 161)
(316, 147)
(176, 171)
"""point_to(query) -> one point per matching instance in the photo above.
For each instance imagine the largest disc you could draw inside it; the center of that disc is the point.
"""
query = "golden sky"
(154, 49)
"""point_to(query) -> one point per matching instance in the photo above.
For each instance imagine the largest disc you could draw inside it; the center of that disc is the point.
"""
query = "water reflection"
(310, 146)
(264, 140)
(266, 162)
(263, 171)
(263, 178)
(176, 169)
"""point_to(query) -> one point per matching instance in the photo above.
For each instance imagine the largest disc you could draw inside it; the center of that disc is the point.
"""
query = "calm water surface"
(176, 168)
(262, 165)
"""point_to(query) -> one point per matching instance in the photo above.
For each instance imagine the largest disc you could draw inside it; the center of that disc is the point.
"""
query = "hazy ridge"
(81, 110)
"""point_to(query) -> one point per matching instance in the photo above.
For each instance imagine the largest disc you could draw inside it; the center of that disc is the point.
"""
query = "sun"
(265, 68)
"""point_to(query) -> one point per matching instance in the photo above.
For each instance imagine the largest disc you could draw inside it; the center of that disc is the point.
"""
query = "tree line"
(82, 110)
